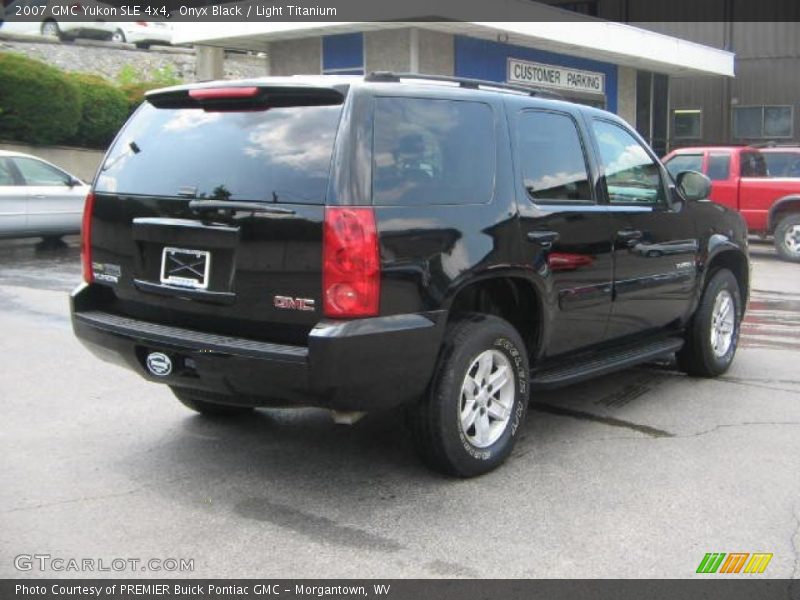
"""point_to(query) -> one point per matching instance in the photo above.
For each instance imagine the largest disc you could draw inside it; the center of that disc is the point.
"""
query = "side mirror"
(693, 185)
(73, 181)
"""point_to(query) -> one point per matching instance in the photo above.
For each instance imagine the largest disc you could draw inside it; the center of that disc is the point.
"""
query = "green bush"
(134, 93)
(38, 104)
(104, 110)
(135, 83)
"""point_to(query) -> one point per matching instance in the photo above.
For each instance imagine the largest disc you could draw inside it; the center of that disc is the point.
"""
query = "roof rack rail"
(465, 82)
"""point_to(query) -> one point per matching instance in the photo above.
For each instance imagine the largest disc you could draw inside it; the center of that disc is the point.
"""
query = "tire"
(709, 348)
(118, 36)
(203, 403)
(50, 29)
(787, 238)
(52, 242)
(440, 425)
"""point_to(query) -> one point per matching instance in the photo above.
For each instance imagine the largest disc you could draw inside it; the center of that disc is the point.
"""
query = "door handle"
(544, 238)
(629, 235)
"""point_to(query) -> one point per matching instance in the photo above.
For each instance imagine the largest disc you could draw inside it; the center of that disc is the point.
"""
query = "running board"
(613, 360)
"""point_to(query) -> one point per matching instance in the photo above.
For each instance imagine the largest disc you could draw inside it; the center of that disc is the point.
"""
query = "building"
(624, 69)
(759, 105)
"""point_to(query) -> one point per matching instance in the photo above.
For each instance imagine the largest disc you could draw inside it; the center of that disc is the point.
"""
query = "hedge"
(38, 105)
(104, 110)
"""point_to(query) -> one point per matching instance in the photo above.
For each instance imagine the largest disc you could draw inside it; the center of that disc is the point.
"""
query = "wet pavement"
(647, 463)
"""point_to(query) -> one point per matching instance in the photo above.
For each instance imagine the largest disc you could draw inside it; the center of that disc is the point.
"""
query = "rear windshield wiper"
(216, 205)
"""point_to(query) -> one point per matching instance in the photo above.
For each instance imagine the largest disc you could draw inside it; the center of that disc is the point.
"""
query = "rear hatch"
(209, 209)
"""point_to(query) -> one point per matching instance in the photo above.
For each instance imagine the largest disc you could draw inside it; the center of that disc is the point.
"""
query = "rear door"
(209, 210)
(566, 234)
(655, 245)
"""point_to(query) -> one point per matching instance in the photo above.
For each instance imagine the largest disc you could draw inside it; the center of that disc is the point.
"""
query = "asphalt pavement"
(638, 474)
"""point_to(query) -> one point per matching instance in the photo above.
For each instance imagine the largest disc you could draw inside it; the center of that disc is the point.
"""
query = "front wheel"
(787, 238)
(208, 404)
(713, 334)
(469, 419)
(118, 36)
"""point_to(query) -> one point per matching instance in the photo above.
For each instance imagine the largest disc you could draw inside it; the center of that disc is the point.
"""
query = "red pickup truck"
(740, 180)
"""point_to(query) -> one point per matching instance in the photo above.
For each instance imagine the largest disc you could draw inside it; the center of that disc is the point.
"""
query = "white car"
(37, 199)
(38, 17)
(143, 33)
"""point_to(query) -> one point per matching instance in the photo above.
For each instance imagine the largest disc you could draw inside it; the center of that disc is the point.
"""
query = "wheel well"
(510, 298)
(782, 210)
(736, 264)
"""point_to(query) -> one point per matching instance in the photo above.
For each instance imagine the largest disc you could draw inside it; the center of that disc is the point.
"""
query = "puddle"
(772, 321)
(24, 263)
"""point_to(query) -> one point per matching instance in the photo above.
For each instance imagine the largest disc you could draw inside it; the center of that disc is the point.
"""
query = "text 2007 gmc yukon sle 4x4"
(362, 243)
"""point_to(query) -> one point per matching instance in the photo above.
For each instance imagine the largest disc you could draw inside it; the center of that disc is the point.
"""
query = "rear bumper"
(364, 364)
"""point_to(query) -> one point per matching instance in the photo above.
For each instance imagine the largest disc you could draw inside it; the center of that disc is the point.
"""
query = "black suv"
(359, 243)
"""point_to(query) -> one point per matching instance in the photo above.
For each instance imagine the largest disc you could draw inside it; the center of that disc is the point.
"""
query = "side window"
(428, 151)
(684, 162)
(632, 177)
(719, 165)
(38, 173)
(551, 156)
(6, 173)
(752, 165)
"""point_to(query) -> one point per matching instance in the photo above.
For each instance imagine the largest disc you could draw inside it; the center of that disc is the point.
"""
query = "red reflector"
(86, 238)
(351, 272)
(222, 93)
(142, 23)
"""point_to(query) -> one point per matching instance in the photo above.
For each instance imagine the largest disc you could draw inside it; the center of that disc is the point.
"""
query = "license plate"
(185, 268)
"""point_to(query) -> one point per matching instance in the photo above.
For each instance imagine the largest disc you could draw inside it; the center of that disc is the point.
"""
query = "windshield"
(275, 155)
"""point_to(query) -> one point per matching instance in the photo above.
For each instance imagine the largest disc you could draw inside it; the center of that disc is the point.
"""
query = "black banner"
(259, 11)
(393, 589)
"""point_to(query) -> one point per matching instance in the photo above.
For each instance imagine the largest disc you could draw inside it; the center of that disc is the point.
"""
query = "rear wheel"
(50, 29)
(469, 419)
(118, 36)
(713, 335)
(207, 403)
(787, 238)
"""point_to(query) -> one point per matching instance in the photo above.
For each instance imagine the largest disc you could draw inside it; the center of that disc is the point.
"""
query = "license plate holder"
(184, 267)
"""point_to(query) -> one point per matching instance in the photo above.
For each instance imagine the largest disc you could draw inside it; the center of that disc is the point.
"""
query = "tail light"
(351, 270)
(86, 238)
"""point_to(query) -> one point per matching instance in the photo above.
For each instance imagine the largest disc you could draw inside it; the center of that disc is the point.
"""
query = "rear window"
(276, 155)
(430, 151)
(684, 162)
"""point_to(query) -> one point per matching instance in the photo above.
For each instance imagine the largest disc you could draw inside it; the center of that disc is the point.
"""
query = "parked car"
(246, 247)
(38, 198)
(143, 33)
(782, 161)
(740, 180)
(46, 19)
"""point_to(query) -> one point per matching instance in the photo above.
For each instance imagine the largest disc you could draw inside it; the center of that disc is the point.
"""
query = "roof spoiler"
(241, 96)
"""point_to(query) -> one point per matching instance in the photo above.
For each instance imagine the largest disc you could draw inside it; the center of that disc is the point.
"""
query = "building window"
(758, 122)
(652, 114)
(343, 54)
(687, 123)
